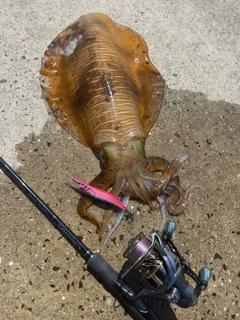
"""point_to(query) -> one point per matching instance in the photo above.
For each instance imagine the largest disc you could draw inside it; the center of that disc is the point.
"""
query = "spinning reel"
(162, 266)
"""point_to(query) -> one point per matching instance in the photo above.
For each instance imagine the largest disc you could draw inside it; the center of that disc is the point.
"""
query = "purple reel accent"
(142, 247)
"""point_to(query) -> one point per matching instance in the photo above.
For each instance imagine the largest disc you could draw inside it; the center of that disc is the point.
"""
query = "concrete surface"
(195, 45)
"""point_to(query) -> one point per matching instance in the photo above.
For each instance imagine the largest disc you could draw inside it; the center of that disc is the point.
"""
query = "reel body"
(163, 267)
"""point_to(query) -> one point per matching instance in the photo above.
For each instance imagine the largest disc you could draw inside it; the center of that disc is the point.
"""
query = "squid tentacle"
(161, 199)
(154, 163)
(170, 186)
(113, 221)
(168, 174)
(139, 187)
(120, 182)
(178, 198)
(147, 175)
(111, 218)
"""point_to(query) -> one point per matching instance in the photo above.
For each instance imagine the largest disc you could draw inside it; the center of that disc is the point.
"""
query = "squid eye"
(108, 154)
(138, 146)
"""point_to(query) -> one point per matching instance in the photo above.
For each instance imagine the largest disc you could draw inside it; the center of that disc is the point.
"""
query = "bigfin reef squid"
(102, 87)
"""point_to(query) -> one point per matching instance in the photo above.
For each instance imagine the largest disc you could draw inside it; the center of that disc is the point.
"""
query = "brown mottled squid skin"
(102, 87)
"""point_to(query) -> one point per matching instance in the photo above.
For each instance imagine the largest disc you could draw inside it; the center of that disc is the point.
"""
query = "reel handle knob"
(170, 228)
(204, 275)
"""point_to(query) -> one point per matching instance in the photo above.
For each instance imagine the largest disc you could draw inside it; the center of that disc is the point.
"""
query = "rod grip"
(102, 269)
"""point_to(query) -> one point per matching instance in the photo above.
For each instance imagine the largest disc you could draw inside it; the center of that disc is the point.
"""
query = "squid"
(98, 80)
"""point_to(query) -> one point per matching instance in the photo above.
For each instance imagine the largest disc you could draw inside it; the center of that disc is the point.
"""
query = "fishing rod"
(154, 256)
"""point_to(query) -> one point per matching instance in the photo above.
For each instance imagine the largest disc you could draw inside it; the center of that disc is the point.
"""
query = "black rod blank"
(45, 210)
(104, 272)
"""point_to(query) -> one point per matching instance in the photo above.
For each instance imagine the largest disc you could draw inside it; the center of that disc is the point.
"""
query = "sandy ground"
(195, 45)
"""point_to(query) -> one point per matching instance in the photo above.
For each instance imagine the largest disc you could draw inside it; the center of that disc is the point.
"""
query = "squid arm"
(112, 221)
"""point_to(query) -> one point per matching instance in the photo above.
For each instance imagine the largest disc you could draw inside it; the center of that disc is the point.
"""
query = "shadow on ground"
(43, 278)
